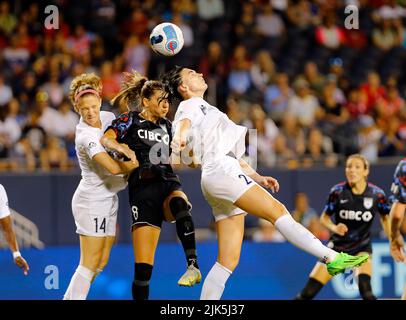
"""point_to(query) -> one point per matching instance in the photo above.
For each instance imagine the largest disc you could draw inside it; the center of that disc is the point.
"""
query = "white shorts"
(222, 185)
(95, 217)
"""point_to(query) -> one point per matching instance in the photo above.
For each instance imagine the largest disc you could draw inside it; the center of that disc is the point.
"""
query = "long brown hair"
(135, 87)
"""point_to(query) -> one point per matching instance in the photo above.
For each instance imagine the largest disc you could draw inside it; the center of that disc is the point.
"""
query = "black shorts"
(351, 248)
(147, 199)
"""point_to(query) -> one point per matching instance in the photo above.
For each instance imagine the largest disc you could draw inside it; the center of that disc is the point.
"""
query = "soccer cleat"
(344, 261)
(190, 277)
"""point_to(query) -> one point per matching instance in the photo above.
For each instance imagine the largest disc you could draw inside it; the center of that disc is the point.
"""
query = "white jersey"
(213, 134)
(97, 182)
(4, 209)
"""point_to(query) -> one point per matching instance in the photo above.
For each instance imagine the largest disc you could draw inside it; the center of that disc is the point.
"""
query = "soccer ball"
(166, 39)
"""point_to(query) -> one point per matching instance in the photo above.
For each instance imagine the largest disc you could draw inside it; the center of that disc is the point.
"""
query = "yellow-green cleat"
(345, 261)
(190, 277)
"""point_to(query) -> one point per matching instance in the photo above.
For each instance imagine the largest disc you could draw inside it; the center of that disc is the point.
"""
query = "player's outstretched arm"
(385, 222)
(179, 138)
(7, 225)
(266, 182)
(397, 213)
(188, 159)
(128, 166)
(107, 162)
(109, 141)
(340, 229)
(178, 143)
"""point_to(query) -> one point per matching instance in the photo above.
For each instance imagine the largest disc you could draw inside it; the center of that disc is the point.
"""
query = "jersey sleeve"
(4, 208)
(91, 144)
(190, 110)
(121, 125)
(398, 187)
(383, 204)
(332, 201)
(109, 117)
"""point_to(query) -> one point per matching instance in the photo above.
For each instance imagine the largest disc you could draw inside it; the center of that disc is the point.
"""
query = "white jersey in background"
(214, 134)
(96, 181)
(220, 143)
(4, 209)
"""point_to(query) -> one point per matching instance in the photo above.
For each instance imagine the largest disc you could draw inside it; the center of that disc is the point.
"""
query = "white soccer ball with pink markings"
(166, 39)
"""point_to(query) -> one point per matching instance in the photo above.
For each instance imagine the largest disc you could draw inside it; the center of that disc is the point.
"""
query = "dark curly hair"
(172, 81)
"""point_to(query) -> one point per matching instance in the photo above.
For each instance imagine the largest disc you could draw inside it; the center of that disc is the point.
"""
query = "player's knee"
(274, 212)
(93, 261)
(230, 261)
(103, 263)
(142, 273)
(181, 211)
(179, 207)
(364, 285)
(280, 209)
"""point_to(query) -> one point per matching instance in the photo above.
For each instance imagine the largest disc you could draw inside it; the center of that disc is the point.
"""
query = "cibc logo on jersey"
(355, 215)
(153, 136)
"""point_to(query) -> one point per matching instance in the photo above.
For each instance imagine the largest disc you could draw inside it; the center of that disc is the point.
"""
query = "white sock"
(67, 295)
(215, 282)
(79, 285)
(302, 238)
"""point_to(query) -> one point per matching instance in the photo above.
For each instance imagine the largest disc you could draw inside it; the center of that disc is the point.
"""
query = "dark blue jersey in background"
(399, 183)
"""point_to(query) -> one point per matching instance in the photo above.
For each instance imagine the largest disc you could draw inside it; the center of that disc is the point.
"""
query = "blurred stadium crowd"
(314, 90)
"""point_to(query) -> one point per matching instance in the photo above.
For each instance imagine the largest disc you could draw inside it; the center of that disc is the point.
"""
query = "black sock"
(310, 290)
(364, 285)
(185, 228)
(140, 286)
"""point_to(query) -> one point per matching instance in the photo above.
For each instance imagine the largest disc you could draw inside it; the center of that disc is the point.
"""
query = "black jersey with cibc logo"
(356, 212)
(151, 143)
